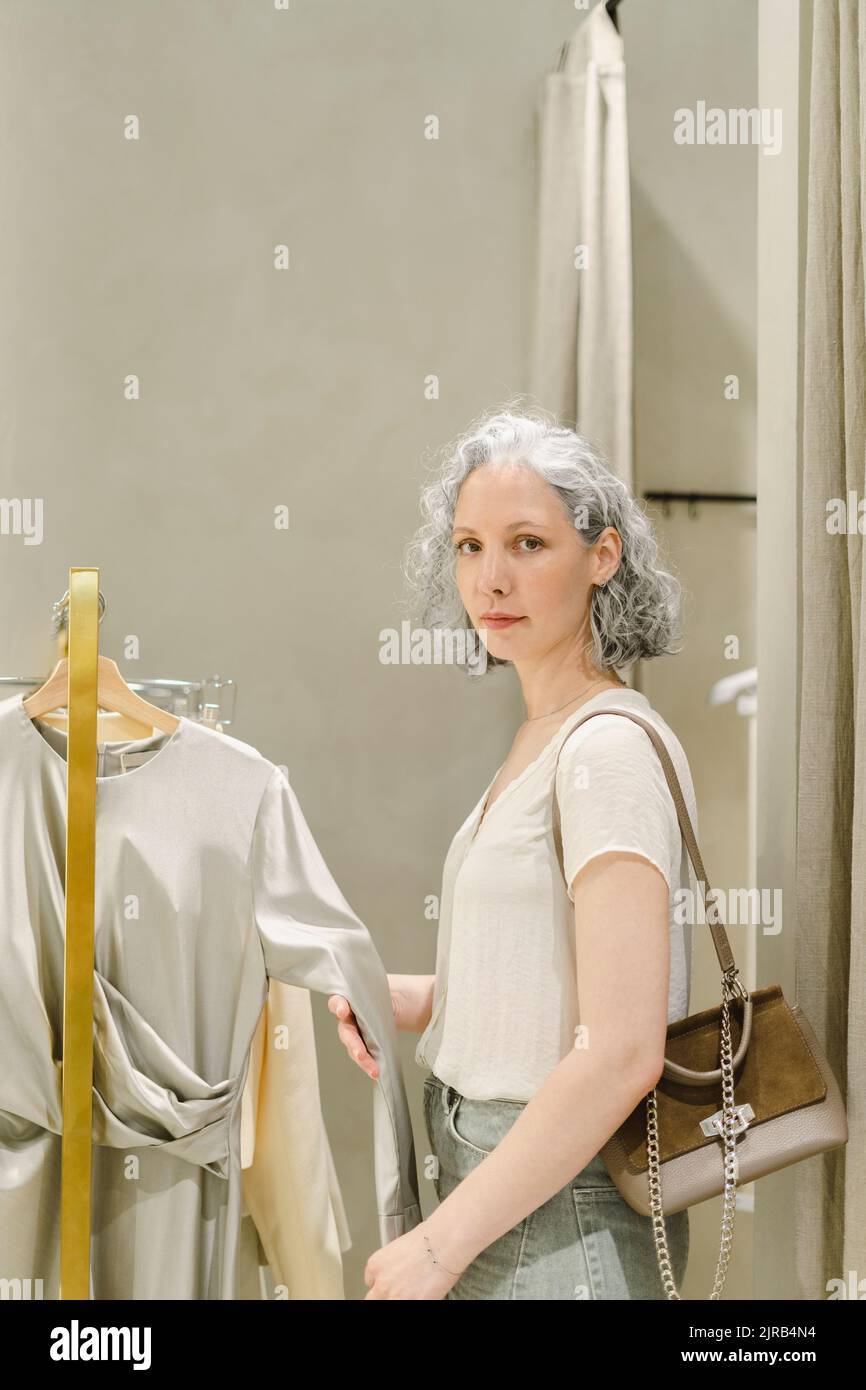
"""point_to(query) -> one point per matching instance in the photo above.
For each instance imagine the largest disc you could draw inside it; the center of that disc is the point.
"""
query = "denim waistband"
(450, 1094)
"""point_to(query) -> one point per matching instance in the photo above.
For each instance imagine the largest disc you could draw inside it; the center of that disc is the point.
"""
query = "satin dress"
(208, 882)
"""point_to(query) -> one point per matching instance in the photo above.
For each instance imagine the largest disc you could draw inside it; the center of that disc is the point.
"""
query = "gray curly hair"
(636, 614)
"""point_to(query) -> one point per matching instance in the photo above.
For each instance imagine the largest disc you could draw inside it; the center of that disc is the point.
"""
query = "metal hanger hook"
(60, 612)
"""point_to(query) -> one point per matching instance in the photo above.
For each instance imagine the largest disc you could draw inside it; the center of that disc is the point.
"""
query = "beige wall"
(408, 257)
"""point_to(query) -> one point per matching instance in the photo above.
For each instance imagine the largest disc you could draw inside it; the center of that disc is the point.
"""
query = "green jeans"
(585, 1242)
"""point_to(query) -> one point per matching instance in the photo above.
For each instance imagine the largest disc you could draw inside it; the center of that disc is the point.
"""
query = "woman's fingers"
(352, 1041)
(340, 1006)
(350, 1035)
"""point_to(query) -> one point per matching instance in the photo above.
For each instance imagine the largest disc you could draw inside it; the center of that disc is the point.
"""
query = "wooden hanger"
(140, 717)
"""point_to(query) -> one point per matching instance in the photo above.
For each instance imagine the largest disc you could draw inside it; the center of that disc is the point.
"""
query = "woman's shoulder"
(594, 717)
(606, 736)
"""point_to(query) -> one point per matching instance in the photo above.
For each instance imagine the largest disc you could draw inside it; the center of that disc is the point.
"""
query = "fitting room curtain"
(830, 1210)
(582, 348)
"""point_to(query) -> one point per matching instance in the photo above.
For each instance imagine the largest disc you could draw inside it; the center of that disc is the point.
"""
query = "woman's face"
(520, 556)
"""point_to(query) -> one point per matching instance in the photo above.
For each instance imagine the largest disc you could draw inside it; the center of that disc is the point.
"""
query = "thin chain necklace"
(486, 807)
(547, 713)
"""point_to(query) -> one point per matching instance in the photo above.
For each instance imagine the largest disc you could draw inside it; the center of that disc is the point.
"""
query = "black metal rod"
(700, 497)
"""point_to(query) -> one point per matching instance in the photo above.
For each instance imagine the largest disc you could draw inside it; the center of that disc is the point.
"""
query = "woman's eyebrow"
(515, 526)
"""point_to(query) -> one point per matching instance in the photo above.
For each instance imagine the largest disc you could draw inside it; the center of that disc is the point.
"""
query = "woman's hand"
(350, 1035)
(404, 1269)
(411, 1004)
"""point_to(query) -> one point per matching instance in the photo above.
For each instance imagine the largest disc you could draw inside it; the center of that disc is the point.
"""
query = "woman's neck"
(557, 697)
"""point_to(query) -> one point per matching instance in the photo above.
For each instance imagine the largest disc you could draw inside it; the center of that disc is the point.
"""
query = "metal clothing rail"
(701, 496)
(210, 699)
(693, 498)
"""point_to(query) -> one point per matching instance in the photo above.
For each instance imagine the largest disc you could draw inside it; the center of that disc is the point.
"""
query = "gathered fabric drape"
(830, 1208)
(582, 348)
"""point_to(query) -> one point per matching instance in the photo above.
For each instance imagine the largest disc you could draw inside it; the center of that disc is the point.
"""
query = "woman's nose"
(493, 576)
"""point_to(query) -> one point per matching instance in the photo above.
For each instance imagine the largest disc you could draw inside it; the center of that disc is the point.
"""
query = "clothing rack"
(80, 612)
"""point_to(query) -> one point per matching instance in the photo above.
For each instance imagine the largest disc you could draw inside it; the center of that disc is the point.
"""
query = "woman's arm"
(412, 999)
(623, 951)
(411, 1002)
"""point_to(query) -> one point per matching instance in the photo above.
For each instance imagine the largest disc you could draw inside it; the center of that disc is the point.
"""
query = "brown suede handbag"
(682, 1147)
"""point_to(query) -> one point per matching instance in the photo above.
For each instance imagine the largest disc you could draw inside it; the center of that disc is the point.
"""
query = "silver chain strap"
(730, 988)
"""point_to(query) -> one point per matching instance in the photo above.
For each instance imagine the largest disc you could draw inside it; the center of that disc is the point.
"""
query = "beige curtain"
(830, 1210)
(582, 348)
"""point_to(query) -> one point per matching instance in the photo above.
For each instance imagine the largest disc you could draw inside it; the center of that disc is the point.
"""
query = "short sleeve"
(613, 795)
(310, 937)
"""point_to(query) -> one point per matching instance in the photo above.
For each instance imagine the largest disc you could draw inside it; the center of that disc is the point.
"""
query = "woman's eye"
(533, 541)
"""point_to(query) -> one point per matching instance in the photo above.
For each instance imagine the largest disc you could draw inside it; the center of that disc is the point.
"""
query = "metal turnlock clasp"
(714, 1124)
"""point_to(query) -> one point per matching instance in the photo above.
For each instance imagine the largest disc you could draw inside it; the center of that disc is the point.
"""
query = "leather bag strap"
(673, 1070)
(720, 937)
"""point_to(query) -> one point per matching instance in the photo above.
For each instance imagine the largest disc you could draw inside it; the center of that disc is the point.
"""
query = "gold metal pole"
(77, 1098)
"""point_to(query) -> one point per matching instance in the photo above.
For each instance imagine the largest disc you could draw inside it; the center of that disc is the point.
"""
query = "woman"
(559, 989)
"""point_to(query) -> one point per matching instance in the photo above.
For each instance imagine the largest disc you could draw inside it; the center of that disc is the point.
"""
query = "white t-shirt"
(505, 1003)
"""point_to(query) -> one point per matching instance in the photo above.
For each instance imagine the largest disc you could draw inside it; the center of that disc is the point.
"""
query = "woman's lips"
(498, 623)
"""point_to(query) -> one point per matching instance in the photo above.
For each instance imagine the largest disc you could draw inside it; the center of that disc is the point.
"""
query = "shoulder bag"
(682, 1147)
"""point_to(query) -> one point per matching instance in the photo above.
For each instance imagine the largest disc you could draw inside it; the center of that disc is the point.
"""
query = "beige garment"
(830, 1207)
(290, 1186)
(208, 884)
(289, 1178)
(582, 333)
